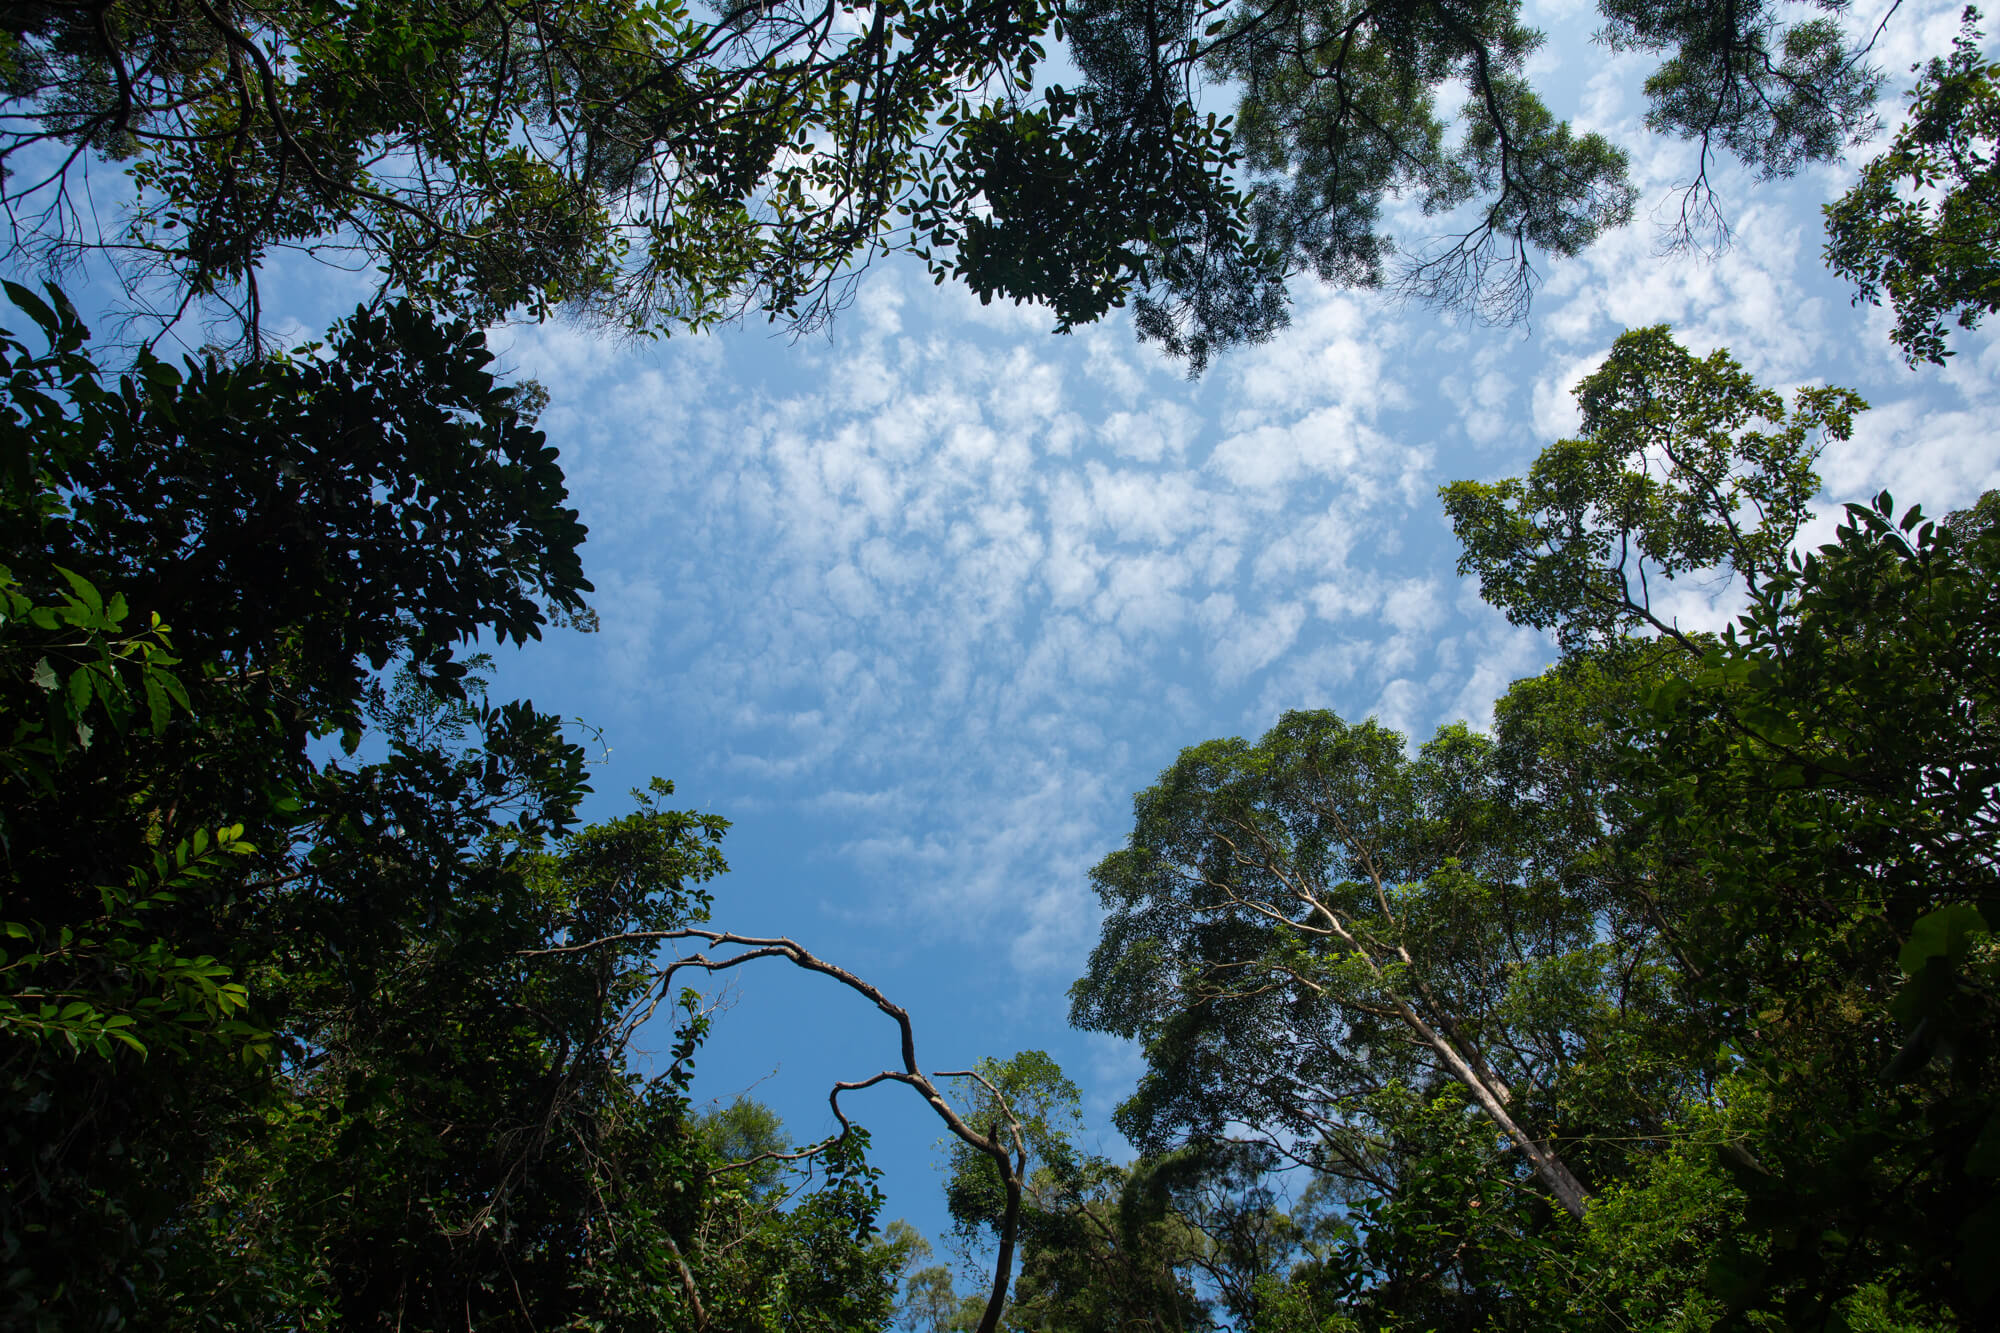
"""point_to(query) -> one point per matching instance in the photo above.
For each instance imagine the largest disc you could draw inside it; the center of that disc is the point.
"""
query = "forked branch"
(1003, 1144)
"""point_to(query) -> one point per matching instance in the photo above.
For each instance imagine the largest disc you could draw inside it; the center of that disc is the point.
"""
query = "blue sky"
(920, 603)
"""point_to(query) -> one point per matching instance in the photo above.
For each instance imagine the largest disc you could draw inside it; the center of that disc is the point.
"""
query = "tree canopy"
(660, 167)
(1918, 227)
(317, 1000)
(1669, 1004)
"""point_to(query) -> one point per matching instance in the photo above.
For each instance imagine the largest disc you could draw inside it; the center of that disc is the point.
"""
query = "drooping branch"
(1004, 1145)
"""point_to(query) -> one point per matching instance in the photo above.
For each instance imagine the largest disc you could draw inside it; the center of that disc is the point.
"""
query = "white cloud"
(1162, 431)
(1942, 460)
(964, 585)
(1249, 643)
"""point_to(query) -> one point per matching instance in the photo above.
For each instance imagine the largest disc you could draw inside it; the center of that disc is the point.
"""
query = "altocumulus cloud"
(957, 586)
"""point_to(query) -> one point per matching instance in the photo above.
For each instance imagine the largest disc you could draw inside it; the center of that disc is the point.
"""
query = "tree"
(290, 1037)
(1819, 780)
(252, 493)
(1830, 765)
(1354, 924)
(1775, 95)
(1539, 937)
(1344, 103)
(1929, 245)
(635, 162)
(455, 1137)
(774, 1249)
(1081, 1267)
(1670, 1004)
(1669, 480)
(929, 1302)
(1166, 1244)
(1090, 1259)
(200, 570)
(659, 169)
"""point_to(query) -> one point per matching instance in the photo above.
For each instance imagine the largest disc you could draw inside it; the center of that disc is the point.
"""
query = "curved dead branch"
(1003, 1144)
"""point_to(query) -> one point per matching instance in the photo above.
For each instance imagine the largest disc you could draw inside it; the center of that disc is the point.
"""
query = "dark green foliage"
(1341, 107)
(1831, 764)
(156, 871)
(1031, 1102)
(1815, 789)
(636, 162)
(1105, 1246)
(1092, 1257)
(1456, 1247)
(290, 1040)
(1161, 221)
(289, 523)
(1713, 911)
(1343, 104)
(771, 1254)
(1671, 475)
(1920, 225)
(1349, 921)
(1773, 94)
(453, 1135)
(661, 169)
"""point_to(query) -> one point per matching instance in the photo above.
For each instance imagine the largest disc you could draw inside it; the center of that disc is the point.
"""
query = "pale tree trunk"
(1460, 1055)
(1492, 1096)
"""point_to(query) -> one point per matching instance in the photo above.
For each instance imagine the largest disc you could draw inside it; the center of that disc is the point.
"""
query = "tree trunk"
(1561, 1181)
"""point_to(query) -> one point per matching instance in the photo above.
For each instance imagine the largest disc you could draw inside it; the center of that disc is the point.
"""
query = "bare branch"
(1008, 1154)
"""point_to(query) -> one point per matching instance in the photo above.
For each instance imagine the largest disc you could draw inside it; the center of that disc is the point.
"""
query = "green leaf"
(36, 308)
(172, 685)
(1773, 725)
(1945, 933)
(1666, 696)
(158, 709)
(85, 591)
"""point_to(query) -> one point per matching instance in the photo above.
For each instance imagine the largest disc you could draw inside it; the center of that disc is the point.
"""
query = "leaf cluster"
(1684, 467)
(1918, 227)
(290, 1028)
